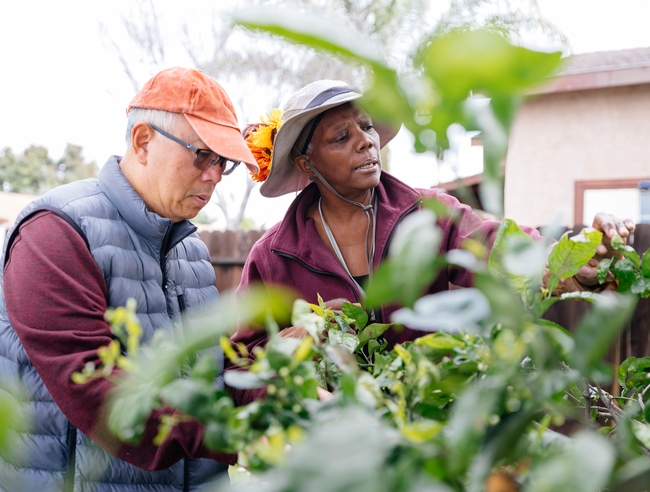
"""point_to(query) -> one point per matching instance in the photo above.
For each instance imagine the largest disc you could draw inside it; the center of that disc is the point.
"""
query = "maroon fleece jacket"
(56, 298)
(292, 254)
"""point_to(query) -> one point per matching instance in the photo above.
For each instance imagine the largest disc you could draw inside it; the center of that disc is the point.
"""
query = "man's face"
(175, 189)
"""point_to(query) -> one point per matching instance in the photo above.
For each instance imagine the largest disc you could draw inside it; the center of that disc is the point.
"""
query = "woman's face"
(345, 150)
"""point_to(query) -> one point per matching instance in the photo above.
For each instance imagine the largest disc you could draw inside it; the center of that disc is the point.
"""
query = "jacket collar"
(133, 210)
(297, 236)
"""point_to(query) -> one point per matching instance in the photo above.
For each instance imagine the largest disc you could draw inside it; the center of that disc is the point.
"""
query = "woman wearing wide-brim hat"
(339, 228)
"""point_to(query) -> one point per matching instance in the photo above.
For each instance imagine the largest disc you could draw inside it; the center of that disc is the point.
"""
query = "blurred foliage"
(479, 394)
(35, 172)
(454, 74)
(517, 20)
(389, 31)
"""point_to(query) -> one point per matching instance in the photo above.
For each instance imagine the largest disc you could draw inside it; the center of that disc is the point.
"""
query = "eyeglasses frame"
(221, 159)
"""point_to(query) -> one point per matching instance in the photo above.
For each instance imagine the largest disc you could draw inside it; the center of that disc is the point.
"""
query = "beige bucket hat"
(300, 109)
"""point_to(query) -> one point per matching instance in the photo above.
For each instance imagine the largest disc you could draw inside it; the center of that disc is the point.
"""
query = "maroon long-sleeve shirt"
(56, 298)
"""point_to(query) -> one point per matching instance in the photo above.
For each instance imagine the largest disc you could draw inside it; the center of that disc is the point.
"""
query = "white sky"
(59, 84)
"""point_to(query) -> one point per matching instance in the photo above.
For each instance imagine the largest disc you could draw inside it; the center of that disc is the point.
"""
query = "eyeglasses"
(204, 159)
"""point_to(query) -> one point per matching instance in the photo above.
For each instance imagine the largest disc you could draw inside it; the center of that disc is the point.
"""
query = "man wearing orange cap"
(91, 245)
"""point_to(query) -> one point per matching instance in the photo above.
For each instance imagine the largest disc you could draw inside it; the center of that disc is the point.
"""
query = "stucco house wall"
(591, 123)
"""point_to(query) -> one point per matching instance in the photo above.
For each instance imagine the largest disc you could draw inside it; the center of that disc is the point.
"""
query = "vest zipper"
(186, 474)
(164, 250)
(68, 481)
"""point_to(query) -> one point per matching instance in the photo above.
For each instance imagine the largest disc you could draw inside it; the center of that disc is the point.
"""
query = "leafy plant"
(454, 405)
(631, 270)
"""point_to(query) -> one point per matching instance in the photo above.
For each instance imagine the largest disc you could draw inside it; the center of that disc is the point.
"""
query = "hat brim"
(284, 177)
(224, 140)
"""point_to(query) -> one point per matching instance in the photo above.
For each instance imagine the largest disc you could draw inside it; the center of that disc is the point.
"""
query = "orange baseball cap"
(206, 106)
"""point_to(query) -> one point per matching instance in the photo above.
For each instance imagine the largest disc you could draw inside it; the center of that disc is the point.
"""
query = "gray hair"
(162, 119)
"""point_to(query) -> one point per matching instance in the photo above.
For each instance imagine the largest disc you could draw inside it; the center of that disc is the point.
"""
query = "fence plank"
(228, 252)
(638, 338)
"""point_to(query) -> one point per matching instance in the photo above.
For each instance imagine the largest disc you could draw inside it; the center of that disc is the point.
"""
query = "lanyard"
(370, 255)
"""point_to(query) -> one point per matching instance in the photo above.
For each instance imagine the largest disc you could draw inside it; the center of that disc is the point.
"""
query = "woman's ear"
(301, 164)
(141, 135)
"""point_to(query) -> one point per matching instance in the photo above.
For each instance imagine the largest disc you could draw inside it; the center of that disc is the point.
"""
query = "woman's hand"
(293, 332)
(610, 226)
(297, 332)
(323, 394)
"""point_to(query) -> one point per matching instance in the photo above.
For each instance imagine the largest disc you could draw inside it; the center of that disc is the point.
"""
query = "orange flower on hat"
(259, 138)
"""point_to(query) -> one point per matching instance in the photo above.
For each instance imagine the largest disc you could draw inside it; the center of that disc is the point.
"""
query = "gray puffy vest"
(166, 268)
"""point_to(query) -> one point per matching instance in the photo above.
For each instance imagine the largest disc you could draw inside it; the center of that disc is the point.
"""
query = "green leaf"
(570, 254)
(129, 410)
(598, 328)
(373, 346)
(645, 264)
(641, 286)
(625, 273)
(342, 357)
(279, 351)
(452, 311)
(559, 335)
(641, 364)
(627, 251)
(441, 210)
(439, 341)
(357, 313)
(310, 29)
(215, 436)
(500, 442)
(411, 265)
(580, 296)
(483, 61)
(190, 396)
(585, 466)
(243, 380)
(630, 253)
(205, 368)
(540, 306)
(506, 306)
(516, 257)
(633, 476)
(260, 302)
(469, 421)
(617, 242)
(421, 430)
(13, 420)
(372, 331)
(623, 370)
(603, 269)
(641, 431)
(347, 340)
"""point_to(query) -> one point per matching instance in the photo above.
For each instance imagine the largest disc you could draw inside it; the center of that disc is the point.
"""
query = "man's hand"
(609, 225)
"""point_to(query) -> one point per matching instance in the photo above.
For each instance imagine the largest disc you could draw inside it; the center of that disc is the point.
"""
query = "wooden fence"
(228, 252)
